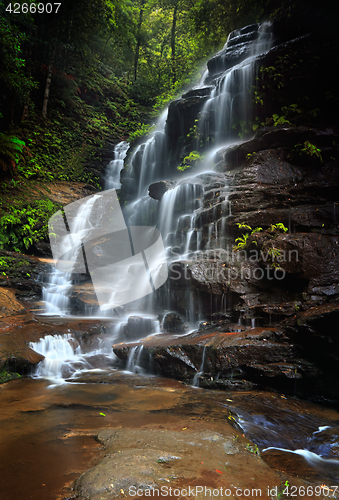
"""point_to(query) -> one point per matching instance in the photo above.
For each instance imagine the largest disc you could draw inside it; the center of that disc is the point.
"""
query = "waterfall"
(191, 215)
(190, 229)
(139, 361)
(176, 208)
(55, 294)
(66, 359)
(62, 356)
(199, 373)
(229, 110)
(114, 168)
(147, 162)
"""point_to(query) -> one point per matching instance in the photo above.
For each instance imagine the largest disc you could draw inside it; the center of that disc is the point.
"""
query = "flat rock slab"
(215, 338)
(139, 460)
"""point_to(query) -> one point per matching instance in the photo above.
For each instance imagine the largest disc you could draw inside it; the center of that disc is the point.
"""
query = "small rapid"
(65, 358)
(290, 439)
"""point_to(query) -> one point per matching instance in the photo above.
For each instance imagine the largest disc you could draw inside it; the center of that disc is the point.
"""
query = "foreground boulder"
(9, 305)
(138, 461)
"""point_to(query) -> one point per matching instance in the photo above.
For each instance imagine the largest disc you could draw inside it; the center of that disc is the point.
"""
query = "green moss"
(14, 267)
(6, 376)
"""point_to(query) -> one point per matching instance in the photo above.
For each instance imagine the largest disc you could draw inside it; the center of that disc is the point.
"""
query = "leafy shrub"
(22, 227)
(242, 241)
(189, 161)
(11, 153)
(142, 129)
(306, 153)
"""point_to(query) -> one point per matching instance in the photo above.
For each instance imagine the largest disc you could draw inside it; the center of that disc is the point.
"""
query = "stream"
(48, 430)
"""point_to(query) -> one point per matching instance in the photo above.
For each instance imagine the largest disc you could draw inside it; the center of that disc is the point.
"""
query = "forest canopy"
(77, 77)
(149, 46)
(95, 68)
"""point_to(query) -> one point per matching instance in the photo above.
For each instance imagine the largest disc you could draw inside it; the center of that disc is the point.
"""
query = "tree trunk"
(174, 24)
(25, 113)
(137, 48)
(48, 85)
(12, 111)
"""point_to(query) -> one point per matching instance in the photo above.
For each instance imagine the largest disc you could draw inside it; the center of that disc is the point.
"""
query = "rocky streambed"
(136, 434)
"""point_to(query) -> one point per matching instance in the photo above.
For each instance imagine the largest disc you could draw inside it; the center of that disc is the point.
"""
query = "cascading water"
(148, 160)
(114, 168)
(270, 429)
(197, 376)
(229, 108)
(189, 228)
(177, 209)
(55, 294)
(65, 358)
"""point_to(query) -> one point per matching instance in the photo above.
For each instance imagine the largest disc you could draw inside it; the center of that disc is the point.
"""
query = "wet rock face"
(316, 333)
(232, 357)
(182, 114)
(173, 322)
(270, 187)
(158, 189)
(238, 48)
(267, 185)
(22, 274)
(9, 306)
(136, 328)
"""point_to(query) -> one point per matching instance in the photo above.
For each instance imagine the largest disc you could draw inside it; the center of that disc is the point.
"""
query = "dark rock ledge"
(297, 357)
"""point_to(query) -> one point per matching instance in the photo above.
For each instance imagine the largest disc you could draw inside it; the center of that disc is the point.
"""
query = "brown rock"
(9, 305)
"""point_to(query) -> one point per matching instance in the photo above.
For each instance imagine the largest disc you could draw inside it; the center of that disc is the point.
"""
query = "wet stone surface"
(135, 431)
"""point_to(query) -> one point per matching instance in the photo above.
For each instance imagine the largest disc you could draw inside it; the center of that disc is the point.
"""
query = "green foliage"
(291, 109)
(22, 227)
(274, 74)
(193, 132)
(253, 448)
(306, 153)
(189, 161)
(273, 254)
(242, 241)
(8, 264)
(243, 226)
(143, 129)
(11, 153)
(277, 228)
(280, 120)
(258, 97)
(242, 127)
(14, 33)
(6, 375)
(256, 230)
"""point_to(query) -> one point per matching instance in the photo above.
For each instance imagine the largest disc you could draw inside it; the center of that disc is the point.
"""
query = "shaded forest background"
(97, 72)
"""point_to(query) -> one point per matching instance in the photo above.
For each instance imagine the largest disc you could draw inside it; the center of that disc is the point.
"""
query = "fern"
(11, 153)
